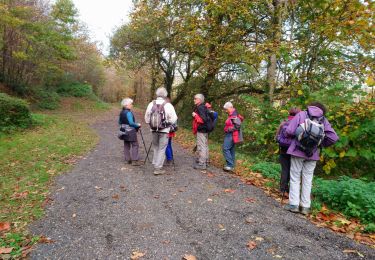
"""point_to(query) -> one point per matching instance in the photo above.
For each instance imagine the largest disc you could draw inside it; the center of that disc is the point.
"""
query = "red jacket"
(196, 122)
(229, 127)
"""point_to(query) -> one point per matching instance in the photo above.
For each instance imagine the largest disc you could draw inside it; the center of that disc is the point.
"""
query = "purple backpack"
(282, 138)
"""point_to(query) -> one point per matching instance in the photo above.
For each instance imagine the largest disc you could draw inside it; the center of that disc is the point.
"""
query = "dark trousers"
(131, 151)
(284, 160)
(169, 150)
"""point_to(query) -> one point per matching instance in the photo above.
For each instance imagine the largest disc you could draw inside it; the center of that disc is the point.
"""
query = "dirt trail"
(104, 209)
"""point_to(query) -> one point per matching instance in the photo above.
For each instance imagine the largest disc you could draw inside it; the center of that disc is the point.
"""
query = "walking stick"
(144, 144)
(148, 152)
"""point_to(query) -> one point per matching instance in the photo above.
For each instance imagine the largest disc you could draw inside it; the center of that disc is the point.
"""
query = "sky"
(102, 17)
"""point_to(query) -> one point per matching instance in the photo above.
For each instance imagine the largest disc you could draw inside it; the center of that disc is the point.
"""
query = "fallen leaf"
(136, 255)
(98, 188)
(6, 250)
(74, 215)
(272, 250)
(4, 226)
(250, 200)
(209, 199)
(116, 197)
(157, 196)
(229, 191)
(210, 175)
(277, 256)
(189, 201)
(251, 245)
(45, 240)
(222, 228)
(249, 220)
(348, 251)
(166, 242)
(62, 188)
(26, 250)
(259, 239)
(189, 257)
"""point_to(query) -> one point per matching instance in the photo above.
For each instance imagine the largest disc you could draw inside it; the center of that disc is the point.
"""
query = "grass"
(31, 158)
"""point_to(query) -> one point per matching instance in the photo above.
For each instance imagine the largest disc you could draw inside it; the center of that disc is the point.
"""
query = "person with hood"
(284, 158)
(127, 122)
(232, 136)
(304, 158)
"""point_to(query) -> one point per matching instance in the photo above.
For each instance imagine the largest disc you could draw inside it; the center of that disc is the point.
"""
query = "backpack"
(282, 138)
(237, 121)
(210, 123)
(310, 134)
(158, 117)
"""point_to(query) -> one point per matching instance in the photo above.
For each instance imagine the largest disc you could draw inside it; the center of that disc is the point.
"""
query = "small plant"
(268, 169)
(47, 99)
(14, 113)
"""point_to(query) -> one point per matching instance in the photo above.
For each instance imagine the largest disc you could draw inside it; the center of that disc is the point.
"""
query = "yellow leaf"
(300, 92)
(342, 154)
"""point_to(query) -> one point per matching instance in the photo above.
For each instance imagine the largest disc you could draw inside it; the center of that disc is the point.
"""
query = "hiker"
(169, 150)
(284, 158)
(128, 125)
(233, 136)
(311, 130)
(160, 115)
(202, 125)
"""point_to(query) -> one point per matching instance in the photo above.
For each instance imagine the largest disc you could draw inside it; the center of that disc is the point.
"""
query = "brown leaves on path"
(4, 226)
(189, 257)
(137, 255)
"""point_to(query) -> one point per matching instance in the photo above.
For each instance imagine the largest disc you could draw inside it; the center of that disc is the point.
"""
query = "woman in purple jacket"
(302, 165)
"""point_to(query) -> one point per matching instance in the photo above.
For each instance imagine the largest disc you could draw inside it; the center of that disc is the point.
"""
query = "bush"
(14, 112)
(268, 169)
(47, 99)
(75, 90)
(353, 197)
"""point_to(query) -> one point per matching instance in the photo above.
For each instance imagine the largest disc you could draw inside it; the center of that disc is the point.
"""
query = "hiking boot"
(228, 169)
(136, 163)
(292, 208)
(159, 171)
(128, 162)
(304, 211)
(200, 166)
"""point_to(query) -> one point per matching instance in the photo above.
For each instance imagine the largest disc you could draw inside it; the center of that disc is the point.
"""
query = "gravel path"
(104, 209)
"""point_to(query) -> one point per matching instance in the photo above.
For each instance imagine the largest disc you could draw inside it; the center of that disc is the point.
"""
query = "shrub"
(353, 197)
(268, 169)
(47, 99)
(75, 90)
(14, 112)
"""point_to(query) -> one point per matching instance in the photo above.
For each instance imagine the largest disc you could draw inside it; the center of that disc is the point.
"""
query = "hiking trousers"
(159, 145)
(284, 160)
(229, 150)
(202, 148)
(301, 176)
(131, 151)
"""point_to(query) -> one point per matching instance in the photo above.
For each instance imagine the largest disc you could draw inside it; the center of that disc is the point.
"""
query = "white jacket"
(171, 116)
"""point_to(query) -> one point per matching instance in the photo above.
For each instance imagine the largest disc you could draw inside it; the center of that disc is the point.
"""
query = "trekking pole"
(144, 144)
(148, 152)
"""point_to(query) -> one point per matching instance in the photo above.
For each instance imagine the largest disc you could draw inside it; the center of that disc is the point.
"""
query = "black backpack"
(210, 123)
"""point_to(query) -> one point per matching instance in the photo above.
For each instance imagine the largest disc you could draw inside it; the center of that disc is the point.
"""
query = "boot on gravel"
(200, 166)
(228, 169)
(136, 163)
(159, 171)
(304, 211)
(292, 208)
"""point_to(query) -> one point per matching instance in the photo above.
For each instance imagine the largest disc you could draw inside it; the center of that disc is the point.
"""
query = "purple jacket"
(329, 139)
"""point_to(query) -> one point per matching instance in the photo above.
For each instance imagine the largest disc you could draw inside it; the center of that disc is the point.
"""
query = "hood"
(315, 111)
(234, 113)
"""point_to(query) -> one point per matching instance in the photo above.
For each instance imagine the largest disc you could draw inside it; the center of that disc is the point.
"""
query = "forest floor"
(106, 209)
